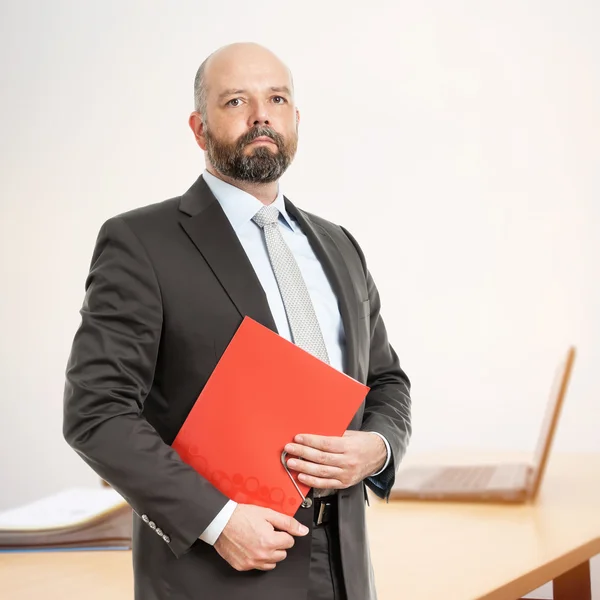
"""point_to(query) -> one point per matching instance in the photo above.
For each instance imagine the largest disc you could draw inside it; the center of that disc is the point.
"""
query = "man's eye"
(279, 100)
(231, 102)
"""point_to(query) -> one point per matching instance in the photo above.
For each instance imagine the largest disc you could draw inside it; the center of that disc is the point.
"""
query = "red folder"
(263, 392)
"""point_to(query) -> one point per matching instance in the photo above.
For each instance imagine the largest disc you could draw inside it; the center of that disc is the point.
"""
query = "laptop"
(504, 482)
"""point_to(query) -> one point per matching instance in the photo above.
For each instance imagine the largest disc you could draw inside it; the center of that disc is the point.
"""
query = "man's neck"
(264, 192)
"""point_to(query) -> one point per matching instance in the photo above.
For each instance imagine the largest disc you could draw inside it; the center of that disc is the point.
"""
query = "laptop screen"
(557, 394)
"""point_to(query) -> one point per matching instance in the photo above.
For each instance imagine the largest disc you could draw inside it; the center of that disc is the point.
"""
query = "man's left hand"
(336, 462)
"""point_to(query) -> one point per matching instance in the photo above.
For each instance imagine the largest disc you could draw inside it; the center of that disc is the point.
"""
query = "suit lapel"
(336, 269)
(210, 231)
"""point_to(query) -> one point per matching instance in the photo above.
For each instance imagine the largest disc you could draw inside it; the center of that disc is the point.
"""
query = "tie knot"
(267, 215)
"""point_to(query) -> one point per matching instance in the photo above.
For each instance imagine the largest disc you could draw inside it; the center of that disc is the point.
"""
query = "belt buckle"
(321, 513)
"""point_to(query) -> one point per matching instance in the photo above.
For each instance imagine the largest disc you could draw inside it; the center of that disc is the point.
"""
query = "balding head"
(245, 120)
(227, 61)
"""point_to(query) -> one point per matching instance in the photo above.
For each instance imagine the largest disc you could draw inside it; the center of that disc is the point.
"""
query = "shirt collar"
(240, 206)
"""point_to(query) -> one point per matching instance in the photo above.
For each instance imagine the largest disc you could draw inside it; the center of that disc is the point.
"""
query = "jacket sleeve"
(388, 403)
(109, 374)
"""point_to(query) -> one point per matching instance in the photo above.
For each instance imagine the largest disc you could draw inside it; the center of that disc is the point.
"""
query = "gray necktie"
(306, 332)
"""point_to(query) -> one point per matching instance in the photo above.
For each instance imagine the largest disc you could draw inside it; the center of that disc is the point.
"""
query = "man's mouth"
(263, 138)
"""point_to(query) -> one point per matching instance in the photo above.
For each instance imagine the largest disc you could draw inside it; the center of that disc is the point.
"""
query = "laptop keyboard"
(463, 478)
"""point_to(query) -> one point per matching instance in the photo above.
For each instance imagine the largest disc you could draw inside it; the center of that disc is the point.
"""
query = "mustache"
(261, 132)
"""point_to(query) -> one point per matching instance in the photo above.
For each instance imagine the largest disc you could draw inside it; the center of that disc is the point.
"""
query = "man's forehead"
(247, 77)
(254, 69)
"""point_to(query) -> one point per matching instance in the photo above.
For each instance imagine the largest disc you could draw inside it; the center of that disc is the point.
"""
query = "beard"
(262, 165)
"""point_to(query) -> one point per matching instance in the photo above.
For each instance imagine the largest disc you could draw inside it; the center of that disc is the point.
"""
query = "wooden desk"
(451, 551)
(428, 551)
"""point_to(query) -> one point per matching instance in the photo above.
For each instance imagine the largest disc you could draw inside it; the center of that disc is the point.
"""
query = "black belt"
(325, 509)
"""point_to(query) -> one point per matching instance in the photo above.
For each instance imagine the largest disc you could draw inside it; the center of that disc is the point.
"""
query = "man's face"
(251, 128)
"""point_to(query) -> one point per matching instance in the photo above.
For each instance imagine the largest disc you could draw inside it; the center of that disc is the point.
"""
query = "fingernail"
(291, 463)
(303, 529)
(299, 439)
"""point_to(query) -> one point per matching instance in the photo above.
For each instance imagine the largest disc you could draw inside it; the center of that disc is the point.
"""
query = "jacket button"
(145, 518)
(166, 538)
(159, 531)
(152, 525)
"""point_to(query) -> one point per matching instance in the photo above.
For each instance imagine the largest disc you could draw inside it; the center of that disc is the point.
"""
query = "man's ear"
(196, 124)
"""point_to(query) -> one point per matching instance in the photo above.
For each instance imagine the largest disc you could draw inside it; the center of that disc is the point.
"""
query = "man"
(168, 286)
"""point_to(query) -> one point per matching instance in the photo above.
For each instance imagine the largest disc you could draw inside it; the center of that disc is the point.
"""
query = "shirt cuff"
(211, 534)
(389, 454)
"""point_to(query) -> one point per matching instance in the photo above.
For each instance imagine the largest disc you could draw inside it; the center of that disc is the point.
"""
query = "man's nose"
(260, 115)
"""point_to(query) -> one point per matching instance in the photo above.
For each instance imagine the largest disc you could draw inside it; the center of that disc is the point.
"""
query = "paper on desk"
(64, 509)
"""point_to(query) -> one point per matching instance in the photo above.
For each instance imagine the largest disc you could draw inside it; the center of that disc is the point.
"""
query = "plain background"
(458, 141)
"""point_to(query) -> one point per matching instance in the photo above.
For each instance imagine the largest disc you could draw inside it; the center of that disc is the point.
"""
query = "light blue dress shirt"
(240, 207)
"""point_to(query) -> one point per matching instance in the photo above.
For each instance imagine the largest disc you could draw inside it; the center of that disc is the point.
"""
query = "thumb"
(286, 523)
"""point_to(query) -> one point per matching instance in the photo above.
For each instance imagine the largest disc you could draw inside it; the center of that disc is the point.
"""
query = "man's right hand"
(257, 538)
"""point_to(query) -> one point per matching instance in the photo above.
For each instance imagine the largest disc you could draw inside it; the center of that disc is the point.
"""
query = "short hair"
(200, 91)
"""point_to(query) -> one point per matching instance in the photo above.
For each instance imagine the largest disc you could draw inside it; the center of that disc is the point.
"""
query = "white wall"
(459, 142)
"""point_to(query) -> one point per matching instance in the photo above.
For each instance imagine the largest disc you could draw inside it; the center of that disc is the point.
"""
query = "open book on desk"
(74, 519)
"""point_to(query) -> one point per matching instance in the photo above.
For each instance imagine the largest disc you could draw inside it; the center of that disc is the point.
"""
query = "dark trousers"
(326, 580)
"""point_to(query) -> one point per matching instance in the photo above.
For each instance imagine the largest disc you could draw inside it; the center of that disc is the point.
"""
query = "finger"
(283, 541)
(326, 443)
(317, 482)
(310, 468)
(275, 557)
(285, 523)
(316, 456)
(278, 556)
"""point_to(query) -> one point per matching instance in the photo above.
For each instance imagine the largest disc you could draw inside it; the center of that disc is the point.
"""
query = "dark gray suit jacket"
(168, 286)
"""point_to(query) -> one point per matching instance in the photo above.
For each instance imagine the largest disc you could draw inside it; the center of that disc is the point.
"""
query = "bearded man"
(168, 286)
